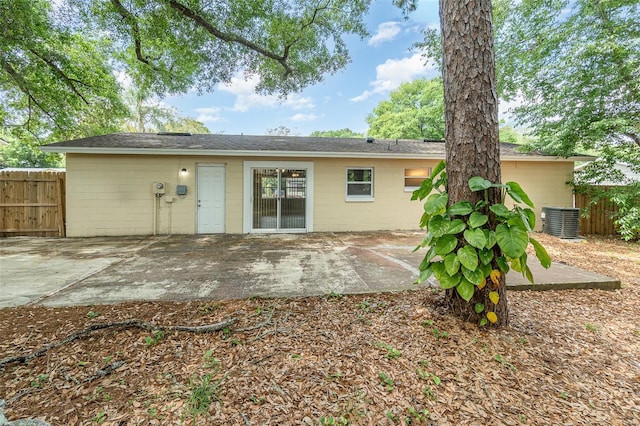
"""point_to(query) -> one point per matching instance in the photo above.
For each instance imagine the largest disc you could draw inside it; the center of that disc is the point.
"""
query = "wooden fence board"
(32, 203)
(599, 220)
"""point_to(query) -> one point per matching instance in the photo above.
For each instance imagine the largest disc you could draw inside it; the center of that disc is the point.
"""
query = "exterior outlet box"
(181, 190)
(159, 188)
(169, 200)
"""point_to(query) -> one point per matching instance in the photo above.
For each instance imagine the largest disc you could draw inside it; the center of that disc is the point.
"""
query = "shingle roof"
(221, 144)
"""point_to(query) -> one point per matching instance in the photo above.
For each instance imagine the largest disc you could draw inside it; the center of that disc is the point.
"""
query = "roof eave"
(283, 154)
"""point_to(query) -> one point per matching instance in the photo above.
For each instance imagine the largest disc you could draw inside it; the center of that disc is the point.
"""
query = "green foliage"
(415, 110)
(418, 416)
(27, 153)
(55, 82)
(342, 133)
(155, 338)
(177, 46)
(99, 418)
(40, 381)
(149, 115)
(204, 390)
(386, 381)
(282, 131)
(333, 421)
(504, 362)
(392, 353)
(469, 245)
(574, 68)
(603, 179)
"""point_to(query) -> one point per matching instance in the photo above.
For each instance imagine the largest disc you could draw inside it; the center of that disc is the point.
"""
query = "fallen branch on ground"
(133, 323)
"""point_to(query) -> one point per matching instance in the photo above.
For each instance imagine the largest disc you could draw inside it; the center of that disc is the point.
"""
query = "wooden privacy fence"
(599, 220)
(32, 203)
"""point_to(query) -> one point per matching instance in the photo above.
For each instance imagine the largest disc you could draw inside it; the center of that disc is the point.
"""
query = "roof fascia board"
(281, 154)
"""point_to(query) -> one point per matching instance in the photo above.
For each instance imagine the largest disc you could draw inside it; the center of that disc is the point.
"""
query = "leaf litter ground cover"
(568, 357)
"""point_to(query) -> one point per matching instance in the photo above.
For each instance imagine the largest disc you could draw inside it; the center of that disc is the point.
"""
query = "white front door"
(211, 199)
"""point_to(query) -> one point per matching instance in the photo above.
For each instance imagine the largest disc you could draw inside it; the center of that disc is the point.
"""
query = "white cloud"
(247, 98)
(209, 114)
(304, 117)
(393, 72)
(387, 31)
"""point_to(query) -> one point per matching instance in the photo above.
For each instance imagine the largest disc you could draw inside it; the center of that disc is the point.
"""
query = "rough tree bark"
(471, 121)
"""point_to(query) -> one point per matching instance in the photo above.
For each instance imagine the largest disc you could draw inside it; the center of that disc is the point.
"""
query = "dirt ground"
(568, 357)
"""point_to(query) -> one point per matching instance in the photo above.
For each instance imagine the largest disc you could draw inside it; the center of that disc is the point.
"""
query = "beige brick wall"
(545, 183)
(391, 208)
(112, 194)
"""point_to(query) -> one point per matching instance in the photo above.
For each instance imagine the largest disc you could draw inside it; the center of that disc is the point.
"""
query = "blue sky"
(380, 63)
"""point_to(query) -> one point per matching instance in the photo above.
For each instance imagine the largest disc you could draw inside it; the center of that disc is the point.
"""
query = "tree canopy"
(415, 110)
(54, 81)
(341, 133)
(182, 44)
(59, 60)
(573, 68)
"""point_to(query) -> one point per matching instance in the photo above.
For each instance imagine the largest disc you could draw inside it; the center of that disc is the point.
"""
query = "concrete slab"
(61, 272)
(560, 276)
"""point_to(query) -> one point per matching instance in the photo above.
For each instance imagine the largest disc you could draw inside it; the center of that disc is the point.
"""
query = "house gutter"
(284, 154)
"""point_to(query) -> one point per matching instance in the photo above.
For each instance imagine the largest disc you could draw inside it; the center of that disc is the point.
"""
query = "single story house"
(141, 184)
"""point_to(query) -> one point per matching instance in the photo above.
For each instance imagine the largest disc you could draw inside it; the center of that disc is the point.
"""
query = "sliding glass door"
(279, 199)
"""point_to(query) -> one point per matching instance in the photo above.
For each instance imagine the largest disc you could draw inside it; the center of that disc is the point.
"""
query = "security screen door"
(279, 199)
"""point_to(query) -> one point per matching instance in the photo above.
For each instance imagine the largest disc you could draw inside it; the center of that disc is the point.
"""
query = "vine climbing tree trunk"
(471, 122)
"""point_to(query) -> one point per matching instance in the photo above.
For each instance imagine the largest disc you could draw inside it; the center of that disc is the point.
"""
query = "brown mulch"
(568, 357)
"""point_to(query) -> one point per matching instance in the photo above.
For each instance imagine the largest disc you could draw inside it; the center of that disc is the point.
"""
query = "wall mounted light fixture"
(183, 171)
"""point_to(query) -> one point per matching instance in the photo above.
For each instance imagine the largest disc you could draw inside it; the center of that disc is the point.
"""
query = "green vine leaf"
(513, 240)
(503, 264)
(474, 277)
(486, 256)
(486, 269)
(528, 217)
(451, 263)
(528, 274)
(456, 226)
(436, 203)
(475, 237)
(425, 274)
(501, 210)
(427, 258)
(477, 219)
(437, 169)
(465, 289)
(519, 196)
(468, 257)
(425, 189)
(446, 244)
(438, 225)
(478, 307)
(541, 253)
(462, 208)
(478, 183)
(490, 236)
(446, 281)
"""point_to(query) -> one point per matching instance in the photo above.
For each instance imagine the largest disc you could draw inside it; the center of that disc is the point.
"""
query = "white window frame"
(411, 188)
(359, 198)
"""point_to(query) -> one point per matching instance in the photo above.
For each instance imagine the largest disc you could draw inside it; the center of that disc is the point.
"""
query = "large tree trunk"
(471, 121)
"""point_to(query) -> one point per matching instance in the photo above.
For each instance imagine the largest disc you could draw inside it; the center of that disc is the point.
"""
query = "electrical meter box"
(159, 188)
(181, 190)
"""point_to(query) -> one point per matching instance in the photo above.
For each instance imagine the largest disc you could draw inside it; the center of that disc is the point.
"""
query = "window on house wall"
(360, 184)
(413, 178)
